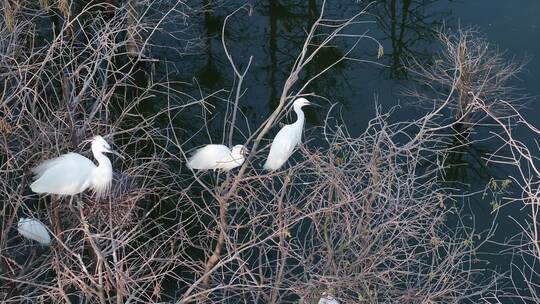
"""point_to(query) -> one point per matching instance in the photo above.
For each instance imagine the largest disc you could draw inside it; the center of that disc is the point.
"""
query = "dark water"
(275, 31)
(273, 36)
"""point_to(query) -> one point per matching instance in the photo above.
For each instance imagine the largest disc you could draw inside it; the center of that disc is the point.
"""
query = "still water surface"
(276, 29)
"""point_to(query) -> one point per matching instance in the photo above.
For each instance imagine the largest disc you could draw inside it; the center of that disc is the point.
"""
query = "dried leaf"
(380, 52)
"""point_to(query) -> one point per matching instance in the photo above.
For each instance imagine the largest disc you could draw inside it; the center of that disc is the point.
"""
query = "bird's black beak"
(115, 153)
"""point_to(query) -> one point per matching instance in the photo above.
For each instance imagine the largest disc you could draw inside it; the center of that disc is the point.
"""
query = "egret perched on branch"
(34, 229)
(217, 157)
(287, 138)
(72, 173)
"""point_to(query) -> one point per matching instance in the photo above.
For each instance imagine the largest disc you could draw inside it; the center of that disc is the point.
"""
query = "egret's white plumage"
(35, 230)
(327, 299)
(287, 138)
(213, 157)
(72, 173)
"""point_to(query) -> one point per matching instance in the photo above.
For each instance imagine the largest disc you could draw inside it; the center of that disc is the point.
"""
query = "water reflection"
(274, 35)
(209, 74)
(409, 26)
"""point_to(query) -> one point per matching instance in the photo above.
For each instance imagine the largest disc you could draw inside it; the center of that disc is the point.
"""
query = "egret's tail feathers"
(197, 159)
(37, 187)
(272, 165)
(39, 170)
(195, 164)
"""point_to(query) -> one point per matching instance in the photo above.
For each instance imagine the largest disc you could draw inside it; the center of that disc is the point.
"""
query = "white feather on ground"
(35, 230)
(327, 299)
(213, 157)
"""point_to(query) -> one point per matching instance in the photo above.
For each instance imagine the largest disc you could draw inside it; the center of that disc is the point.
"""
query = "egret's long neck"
(102, 174)
(300, 115)
(103, 161)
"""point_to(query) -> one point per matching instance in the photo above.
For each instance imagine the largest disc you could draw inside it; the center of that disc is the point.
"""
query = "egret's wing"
(41, 168)
(208, 157)
(35, 230)
(64, 175)
(282, 147)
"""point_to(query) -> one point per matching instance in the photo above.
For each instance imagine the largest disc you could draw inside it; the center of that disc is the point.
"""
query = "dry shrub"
(61, 86)
(467, 67)
(362, 219)
(365, 219)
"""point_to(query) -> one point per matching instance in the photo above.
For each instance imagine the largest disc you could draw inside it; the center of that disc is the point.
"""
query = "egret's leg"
(226, 182)
(79, 201)
(56, 222)
(71, 204)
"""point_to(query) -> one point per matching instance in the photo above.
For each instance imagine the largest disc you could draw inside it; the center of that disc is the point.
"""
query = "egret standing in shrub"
(287, 138)
(214, 157)
(72, 173)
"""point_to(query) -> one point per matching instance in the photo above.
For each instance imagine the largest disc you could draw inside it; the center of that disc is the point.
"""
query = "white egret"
(213, 157)
(287, 138)
(327, 299)
(72, 173)
(34, 229)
